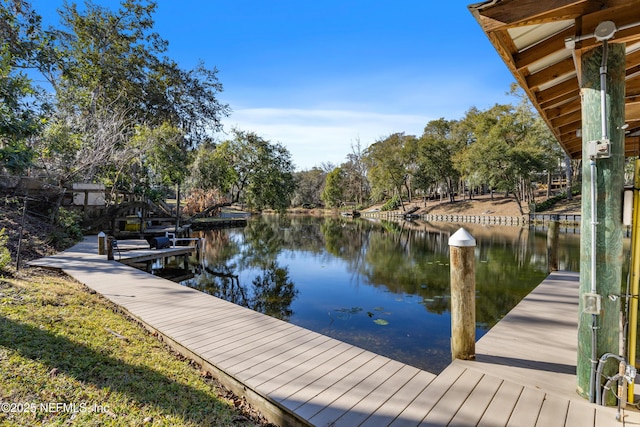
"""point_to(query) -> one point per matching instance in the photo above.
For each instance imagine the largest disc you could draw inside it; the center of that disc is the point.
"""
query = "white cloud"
(322, 135)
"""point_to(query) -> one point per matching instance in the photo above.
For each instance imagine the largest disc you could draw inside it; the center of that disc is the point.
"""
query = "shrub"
(547, 204)
(68, 230)
(200, 200)
(392, 204)
(5, 256)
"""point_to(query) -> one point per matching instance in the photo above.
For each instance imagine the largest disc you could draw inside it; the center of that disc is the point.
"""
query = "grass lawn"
(67, 357)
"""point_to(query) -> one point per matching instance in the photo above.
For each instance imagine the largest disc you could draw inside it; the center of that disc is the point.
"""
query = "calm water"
(379, 285)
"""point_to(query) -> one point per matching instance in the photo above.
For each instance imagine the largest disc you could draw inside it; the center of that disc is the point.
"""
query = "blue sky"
(317, 76)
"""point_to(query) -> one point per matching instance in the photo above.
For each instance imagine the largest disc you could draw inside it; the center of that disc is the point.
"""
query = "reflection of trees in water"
(415, 261)
(261, 245)
(298, 232)
(401, 257)
(271, 291)
(219, 247)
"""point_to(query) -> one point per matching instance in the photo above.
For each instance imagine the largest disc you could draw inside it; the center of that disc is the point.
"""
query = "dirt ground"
(485, 205)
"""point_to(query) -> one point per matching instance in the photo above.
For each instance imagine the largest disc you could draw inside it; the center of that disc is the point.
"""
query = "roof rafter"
(545, 58)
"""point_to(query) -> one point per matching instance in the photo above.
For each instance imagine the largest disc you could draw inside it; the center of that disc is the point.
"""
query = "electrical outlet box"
(600, 149)
(591, 303)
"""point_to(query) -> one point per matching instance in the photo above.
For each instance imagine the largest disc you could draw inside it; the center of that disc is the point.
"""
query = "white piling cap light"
(461, 238)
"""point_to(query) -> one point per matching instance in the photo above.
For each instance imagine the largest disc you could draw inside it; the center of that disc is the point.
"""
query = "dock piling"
(463, 295)
(553, 236)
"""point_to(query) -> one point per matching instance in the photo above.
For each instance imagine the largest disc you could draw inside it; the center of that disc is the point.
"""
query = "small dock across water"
(524, 374)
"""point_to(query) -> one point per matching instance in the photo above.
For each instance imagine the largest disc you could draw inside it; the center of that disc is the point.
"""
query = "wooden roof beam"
(573, 147)
(543, 49)
(562, 89)
(632, 112)
(633, 58)
(564, 109)
(560, 101)
(502, 14)
(570, 130)
(632, 146)
(633, 87)
(550, 73)
(569, 119)
(622, 13)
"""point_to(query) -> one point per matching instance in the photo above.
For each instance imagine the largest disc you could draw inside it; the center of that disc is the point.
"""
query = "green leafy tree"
(333, 193)
(114, 58)
(436, 148)
(249, 169)
(357, 186)
(22, 107)
(309, 185)
(111, 76)
(512, 147)
(210, 169)
(166, 158)
(272, 183)
(386, 161)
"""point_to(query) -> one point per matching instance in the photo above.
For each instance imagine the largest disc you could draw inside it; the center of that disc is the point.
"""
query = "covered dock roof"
(541, 41)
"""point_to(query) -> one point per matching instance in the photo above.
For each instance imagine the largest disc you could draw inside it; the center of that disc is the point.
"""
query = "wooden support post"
(603, 328)
(177, 209)
(102, 243)
(553, 235)
(110, 248)
(463, 295)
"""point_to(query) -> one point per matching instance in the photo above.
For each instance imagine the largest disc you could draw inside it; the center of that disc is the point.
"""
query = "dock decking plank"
(184, 325)
(501, 406)
(522, 375)
(329, 376)
(396, 404)
(277, 352)
(457, 395)
(260, 374)
(253, 353)
(527, 409)
(186, 308)
(253, 339)
(229, 328)
(338, 398)
(356, 403)
(477, 402)
(553, 412)
(422, 405)
(306, 371)
(580, 414)
(362, 410)
(232, 336)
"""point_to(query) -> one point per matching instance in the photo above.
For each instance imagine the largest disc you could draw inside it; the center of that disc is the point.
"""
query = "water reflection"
(383, 286)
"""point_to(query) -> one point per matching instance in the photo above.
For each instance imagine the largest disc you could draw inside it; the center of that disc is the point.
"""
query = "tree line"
(110, 106)
(505, 148)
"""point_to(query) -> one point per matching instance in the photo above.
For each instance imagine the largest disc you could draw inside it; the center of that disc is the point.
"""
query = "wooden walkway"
(524, 375)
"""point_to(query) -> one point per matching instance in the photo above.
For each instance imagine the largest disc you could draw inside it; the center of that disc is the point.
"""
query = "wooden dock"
(524, 375)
